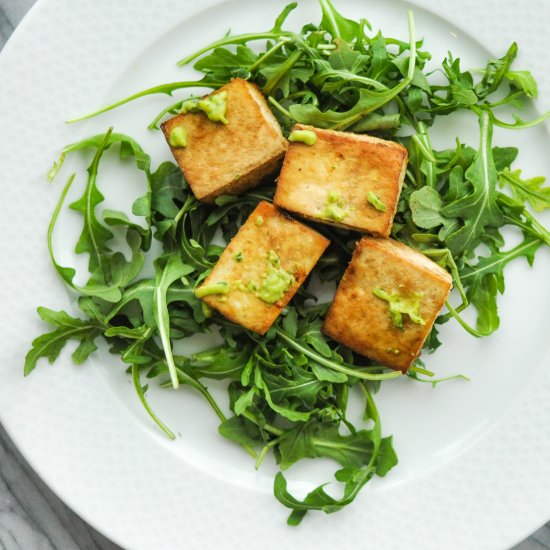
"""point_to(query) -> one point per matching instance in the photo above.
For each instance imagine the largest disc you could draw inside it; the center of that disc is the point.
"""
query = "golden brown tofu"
(262, 268)
(344, 179)
(384, 273)
(229, 158)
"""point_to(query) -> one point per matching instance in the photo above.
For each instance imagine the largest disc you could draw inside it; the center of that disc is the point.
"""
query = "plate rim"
(13, 42)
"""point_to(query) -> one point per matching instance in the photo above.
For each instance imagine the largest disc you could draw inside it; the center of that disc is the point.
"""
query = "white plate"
(474, 466)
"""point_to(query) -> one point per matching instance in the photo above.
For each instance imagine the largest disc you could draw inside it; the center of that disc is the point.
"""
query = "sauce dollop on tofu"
(213, 106)
(335, 207)
(178, 137)
(276, 280)
(304, 136)
(402, 305)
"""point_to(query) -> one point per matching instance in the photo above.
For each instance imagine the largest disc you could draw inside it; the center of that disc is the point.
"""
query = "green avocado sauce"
(273, 285)
(276, 280)
(215, 288)
(402, 305)
(335, 207)
(376, 201)
(304, 136)
(213, 106)
(178, 137)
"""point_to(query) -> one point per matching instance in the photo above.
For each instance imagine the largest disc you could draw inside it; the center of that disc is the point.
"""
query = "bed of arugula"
(288, 390)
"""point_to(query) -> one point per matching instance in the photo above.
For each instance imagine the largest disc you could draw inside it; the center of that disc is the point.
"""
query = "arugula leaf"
(524, 81)
(94, 235)
(484, 279)
(238, 429)
(426, 205)
(361, 454)
(526, 190)
(222, 64)
(128, 147)
(337, 25)
(319, 499)
(479, 209)
(302, 386)
(67, 328)
(368, 102)
(92, 288)
(503, 157)
(167, 272)
(220, 363)
(296, 444)
(496, 71)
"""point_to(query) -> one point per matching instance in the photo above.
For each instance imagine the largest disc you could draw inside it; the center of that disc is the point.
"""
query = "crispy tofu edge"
(350, 136)
(266, 209)
(248, 181)
(332, 329)
(345, 137)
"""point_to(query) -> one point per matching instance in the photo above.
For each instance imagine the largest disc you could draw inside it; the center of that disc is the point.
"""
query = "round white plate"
(474, 467)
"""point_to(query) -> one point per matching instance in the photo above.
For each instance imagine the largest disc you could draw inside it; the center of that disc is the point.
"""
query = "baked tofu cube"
(262, 268)
(387, 302)
(228, 158)
(343, 179)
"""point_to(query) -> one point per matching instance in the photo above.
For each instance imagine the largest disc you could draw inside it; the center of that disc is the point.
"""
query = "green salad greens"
(288, 390)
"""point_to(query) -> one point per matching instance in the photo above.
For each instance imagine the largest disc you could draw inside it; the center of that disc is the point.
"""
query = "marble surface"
(31, 515)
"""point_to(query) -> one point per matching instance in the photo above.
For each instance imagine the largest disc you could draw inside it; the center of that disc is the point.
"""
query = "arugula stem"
(265, 450)
(284, 40)
(456, 157)
(203, 390)
(267, 427)
(449, 260)
(464, 324)
(279, 107)
(427, 154)
(154, 124)
(160, 89)
(436, 381)
(427, 150)
(506, 100)
(420, 370)
(348, 76)
(141, 395)
(544, 234)
(520, 124)
(51, 228)
(331, 364)
(88, 211)
(371, 412)
(412, 45)
(271, 84)
(236, 39)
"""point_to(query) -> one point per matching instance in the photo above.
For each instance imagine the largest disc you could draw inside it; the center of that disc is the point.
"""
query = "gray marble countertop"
(31, 516)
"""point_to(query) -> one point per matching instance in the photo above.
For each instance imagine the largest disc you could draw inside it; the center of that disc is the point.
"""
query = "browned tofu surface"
(229, 158)
(350, 165)
(361, 320)
(267, 229)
